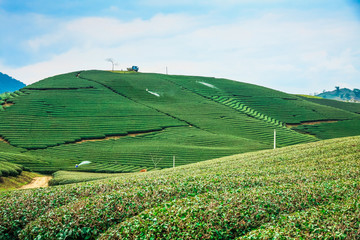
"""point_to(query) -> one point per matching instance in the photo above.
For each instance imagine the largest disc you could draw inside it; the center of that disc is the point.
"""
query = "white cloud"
(275, 50)
(321, 61)
(97, 31)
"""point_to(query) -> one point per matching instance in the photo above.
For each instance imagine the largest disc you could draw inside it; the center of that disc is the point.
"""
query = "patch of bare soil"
(38, 182)
(99, 139)
(311, 123)
(5, 105)
(3, 140)
(111, 137)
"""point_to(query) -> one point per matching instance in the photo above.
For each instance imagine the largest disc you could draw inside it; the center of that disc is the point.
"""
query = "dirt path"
(311, 123)
(38, 182)
(3, 140)
(115, 137)
(6, 104)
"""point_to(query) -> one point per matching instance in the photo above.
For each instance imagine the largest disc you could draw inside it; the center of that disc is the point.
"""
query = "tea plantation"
(351, 107)
(67, 177)
(9, 169)
(307, 191)
(128, 122)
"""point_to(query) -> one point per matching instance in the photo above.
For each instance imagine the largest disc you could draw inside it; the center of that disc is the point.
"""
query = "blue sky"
(294, 46)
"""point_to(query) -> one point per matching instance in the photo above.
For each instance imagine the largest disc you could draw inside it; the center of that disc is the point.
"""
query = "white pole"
(166, 70)
(173, 161)
(274, 138)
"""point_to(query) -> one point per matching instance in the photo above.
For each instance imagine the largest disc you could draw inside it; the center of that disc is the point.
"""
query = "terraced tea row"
(191, 118)
(196, 109)
(348, 106)
(278, 105)
(188, 145)
(329, 130)
(44, 118)
(236, 104)
(9, 169)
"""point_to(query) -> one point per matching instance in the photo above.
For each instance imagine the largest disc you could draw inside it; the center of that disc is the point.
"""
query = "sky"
(296, 46)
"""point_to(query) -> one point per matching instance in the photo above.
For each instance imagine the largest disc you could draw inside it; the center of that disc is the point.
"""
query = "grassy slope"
(303, 191)
(194, 119)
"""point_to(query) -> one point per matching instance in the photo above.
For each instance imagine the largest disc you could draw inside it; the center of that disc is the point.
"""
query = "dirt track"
(114, 137)
(311, 123)
(38, 182)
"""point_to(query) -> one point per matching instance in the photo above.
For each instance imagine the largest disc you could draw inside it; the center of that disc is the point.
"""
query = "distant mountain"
(9, 84)
(342, 94)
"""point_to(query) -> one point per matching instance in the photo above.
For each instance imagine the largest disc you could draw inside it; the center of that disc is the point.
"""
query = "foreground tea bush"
(255, 195)
(339, 220)
(225, 215)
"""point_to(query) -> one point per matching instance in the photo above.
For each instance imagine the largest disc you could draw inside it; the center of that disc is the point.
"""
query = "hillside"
(9, 84)
(128, 122)
(307, 191)
(342, 94)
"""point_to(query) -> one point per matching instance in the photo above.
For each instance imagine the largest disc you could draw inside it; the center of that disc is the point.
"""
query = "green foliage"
(284, 107)
(193, 119)
(351, 107)
(26, 161)
(66, 109)
(254, 195)
(4, 96)
(10, 169)
(131, 154)
(336, 220)
(329, 130)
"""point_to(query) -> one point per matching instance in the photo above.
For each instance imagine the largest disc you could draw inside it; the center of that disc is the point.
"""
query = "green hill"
(128, 122)
(307, 191)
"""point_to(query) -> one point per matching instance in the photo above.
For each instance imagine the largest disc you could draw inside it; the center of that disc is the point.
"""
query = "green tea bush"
(335, 220)
(9, 169)
(352, 107)
(248, 195)
(328, 130)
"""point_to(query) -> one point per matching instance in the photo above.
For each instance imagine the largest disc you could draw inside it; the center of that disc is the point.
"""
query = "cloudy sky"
(297, 46)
